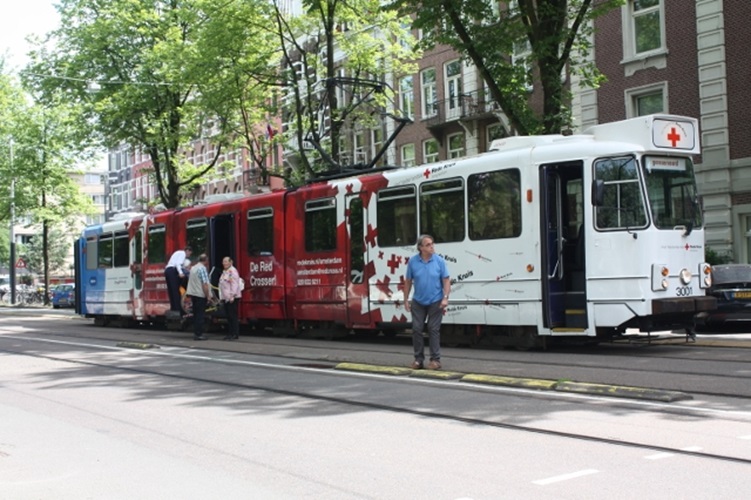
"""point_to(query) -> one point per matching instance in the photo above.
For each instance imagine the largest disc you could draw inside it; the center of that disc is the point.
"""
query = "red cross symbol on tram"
(674, 136)
(393, 263)
(370, 237)
(426, 173)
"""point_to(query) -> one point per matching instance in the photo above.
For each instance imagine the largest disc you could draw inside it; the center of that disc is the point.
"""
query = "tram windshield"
(621, 206)
(671, 189)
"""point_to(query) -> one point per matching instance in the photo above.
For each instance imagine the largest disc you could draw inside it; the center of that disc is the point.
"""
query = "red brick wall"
(681, 72)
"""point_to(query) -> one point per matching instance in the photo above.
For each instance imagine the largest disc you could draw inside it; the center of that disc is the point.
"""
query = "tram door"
(562, 226)
(221, 244)
(136, 259)
(358, 303)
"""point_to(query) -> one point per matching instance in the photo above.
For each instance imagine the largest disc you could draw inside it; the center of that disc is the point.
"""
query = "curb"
(436, 374)
(620, 391)
(383, 370)
(137, 345)
(617, 391)
(526, 383)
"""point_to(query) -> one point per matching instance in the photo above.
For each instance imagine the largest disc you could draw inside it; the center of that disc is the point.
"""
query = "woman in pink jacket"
(229, 287)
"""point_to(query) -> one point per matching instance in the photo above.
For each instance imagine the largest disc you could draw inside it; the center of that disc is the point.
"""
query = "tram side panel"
(162, 237)
(484, 225)
(261, 262)
(108, 272)
(315, 261)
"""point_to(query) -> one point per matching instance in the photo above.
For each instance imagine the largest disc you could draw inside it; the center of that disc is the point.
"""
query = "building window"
(456, 146)
(359, 149)
(408, 155)
(495, 131)
(407, 97)
(430, 151)
(376, 143)
(429, 93)
(644, 29)
(453, 88)
(93, 179)
(647, 100)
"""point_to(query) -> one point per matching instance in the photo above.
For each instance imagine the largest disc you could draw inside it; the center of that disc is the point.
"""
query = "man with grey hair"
(430, 276)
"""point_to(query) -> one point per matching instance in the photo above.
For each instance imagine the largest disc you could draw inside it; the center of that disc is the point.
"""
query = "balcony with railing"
(476, 105)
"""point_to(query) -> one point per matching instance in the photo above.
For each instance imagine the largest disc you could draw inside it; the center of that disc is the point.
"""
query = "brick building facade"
(659, 56)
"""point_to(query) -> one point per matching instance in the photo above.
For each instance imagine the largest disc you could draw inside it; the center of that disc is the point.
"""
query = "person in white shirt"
(173, 274)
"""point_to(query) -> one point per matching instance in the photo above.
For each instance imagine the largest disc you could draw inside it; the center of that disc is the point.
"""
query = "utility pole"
(12, 267)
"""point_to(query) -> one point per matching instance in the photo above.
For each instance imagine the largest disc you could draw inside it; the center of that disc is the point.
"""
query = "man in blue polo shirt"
(430, 276)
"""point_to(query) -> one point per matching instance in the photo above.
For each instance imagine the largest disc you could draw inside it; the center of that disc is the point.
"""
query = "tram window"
(623, 202)
(261, 231)
(397, 217)
(442, 210)
(320, 225)
(197, 235)
(672, 192)
(157, 244)
(139, 245)
(91, 252)
(495, 205)
(104, 251)
(120, 250)
(573, 216)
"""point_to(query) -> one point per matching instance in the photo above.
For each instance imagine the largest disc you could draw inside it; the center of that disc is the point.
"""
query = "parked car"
(64, 296)
(731, 284)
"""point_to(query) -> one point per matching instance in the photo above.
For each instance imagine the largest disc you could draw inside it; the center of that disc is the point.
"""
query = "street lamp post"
(12, 267)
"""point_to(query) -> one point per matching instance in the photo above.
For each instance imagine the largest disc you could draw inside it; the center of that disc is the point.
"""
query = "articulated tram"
(580, 236)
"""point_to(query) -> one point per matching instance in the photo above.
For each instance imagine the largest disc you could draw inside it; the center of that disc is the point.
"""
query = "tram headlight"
(685, 276)
(705, 273)
(660, 275)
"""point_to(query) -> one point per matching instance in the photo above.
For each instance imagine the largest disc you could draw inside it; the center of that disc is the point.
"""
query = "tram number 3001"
(683, 291)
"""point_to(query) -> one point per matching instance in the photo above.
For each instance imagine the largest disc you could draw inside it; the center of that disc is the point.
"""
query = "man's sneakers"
(433, 365)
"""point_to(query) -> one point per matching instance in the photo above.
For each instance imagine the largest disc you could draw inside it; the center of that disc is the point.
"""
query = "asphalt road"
(87, 417)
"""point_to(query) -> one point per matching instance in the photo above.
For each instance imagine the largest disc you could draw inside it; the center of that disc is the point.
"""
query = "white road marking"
(692, 448)
(565, 477)
(745, 437)
(659, 456)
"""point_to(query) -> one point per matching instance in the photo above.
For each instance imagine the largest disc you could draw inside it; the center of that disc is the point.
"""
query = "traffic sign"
(20, 264)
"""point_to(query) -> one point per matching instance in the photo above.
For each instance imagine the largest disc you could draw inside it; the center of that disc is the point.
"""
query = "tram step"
(576, 318)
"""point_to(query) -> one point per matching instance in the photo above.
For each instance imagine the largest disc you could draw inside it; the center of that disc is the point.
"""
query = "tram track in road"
(637, 365)
(189, 375)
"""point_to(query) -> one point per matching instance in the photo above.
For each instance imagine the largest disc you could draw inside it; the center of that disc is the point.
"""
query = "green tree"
(550, 38)
(47, 141)
(59, 245)
(238, 60)
(126, 63)
(356, 38)
(50, 143)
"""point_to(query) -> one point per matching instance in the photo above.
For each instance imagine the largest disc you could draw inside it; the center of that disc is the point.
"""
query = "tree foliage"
(33, 253)
(156, 80)
(336, 58)
(239, 74)
(523, 44)
(37, 179)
